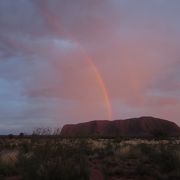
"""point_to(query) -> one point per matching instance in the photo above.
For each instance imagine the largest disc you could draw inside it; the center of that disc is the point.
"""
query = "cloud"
(45, 77)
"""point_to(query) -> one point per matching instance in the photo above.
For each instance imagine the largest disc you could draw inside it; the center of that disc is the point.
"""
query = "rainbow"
(103, 88)
(54, 23)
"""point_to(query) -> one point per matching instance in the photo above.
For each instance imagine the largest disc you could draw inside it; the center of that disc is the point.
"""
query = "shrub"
(51, 160)
(8, 163)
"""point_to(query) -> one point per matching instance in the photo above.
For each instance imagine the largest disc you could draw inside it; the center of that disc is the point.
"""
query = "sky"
(71, 61)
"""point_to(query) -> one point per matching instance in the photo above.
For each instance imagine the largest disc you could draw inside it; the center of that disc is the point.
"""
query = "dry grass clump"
(144, 141)
(8, 163)
(9, 158)
(97, 144)
(53, 160)
(123, 151)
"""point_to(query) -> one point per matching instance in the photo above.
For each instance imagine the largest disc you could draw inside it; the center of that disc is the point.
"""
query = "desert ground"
(55, 158)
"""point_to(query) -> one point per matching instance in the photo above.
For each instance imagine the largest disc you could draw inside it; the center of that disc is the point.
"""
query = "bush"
(8, 163)
(51, 160)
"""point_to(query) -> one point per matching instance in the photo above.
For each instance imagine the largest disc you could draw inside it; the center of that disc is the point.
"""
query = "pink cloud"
(136, 54)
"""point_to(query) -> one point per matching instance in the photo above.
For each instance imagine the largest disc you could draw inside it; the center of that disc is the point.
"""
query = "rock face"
(135, 127)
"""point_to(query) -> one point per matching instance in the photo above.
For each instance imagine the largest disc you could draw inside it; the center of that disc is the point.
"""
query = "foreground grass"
(54, 158)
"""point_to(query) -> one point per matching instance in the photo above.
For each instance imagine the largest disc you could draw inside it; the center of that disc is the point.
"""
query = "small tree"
(21, 134)
(10, 136)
